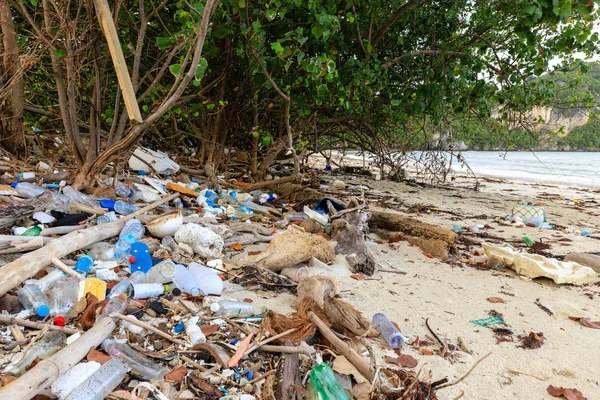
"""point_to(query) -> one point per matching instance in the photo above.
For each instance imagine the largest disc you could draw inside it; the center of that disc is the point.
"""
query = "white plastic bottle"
(186, 281)
(163, 272)
(78, 197)
(208, 280)
(147, 290)
(232, 308)
(28, 190)
(101, 382)
(126, 286)
(193, 331)
(137, 362)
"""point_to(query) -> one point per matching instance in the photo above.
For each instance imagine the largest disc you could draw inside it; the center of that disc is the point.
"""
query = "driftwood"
(21, 244)
(61, 230)
(290, 377)
(36, 325)
(46, 371)
(220, 355)
(57, 177)
(26, 266)
(11, 213)
(268, 280)
(350, 231)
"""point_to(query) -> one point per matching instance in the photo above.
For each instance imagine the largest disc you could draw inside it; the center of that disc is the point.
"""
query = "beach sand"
(452, 294)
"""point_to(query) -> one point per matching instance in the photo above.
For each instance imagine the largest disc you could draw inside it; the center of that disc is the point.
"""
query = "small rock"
(157, 345)
(248, 388)
(186, 394)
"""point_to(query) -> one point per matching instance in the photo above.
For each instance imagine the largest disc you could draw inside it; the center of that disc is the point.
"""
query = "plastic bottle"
(389, 332)
(193, 331)
(131, 233)
(528, 241)
(117, 304)
(32, 298)
(320, 218)
(131, 327)
(78, 197)
(146, 290)
(126, 286)
(106, 218)
(83, 265)
(323, 379)
(134, 228)
(33, 231)
(296, 273)
(254, 207)
(186, 281)
(138, 363)
(124, 190)
(98, 385)
(48, 344)
(587, 233)
(163, 272)
(102, 251)
(47, 281)
(28, 190)
(208, 281)
(59, 202)
(62, 298)
(232, 308)
(124, 208)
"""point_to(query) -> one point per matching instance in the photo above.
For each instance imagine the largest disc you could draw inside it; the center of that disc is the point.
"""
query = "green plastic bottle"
(33, 231)
(528, 241)
(323, 379)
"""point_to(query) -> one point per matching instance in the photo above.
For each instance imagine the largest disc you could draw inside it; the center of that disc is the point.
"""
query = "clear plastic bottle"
(28, 190)
(147, 290)
(138, 363)
(208, 281)
(107, 218)
(193, 331)
(124, 190)
(232, 308)
(134, 228)
(32, 298)
(126, 286)
(163, 272)
(83, 265)
(98, 385)
(78, 197)
(102, 251)
(389, 331)
(124, 208)
(323, 379)
(186, 281)
(47, 345)
(59, 202)
(117, 304)
(296, 273)
(62, 298)
(47, 281)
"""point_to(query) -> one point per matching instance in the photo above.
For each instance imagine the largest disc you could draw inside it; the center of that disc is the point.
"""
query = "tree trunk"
(12, 136)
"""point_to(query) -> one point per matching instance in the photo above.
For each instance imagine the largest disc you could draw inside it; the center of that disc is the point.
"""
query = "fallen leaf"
(426, 352)
(358, 277)
(586, 322)
(95, 355)
(362, 391)
(428, 255)
(88, 318)
(404, 360)
(496, 300)
(341, 365)
(253, 253)
(177, 374)
(567, 393)
(209, 329)
(239, 353)
(236, 246)
(6, 379)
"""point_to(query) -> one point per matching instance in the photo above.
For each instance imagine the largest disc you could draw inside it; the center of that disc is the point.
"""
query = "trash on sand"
(160, 162)
(534, 266)
(494, 319)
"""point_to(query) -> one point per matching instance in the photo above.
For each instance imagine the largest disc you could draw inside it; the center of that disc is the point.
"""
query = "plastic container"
(232, 308)
(101, 382)
(193, 331)
(320, 218)
(528, 241)
(33, 231)
(107, 218)
(138, 363)
(124, 208)
(47, 281)
(133, 228)
(255, 207)
(146, 290)
(48, 344)
(323, 379)
(78, 197)
(163, 272)
(32, 298)
(389, 332)
(208, 280)
(62, 298)
(83, 265)
(586, 233)
(117, 304)
(131, 327)
(124, 190)
(59, 202)
(296, 273)
(126, 286)
(28, 190)
(186, 281)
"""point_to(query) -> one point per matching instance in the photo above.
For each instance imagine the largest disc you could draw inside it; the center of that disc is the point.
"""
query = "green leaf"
(59, 53)
(277, 47)
(265, 140)
(33, 3)
(322, 90)
(255, 134)
(242, 3)
(271, 15)
(175, 69)
(145, 108)
(316, 31)
(164, 42)
(201, 68)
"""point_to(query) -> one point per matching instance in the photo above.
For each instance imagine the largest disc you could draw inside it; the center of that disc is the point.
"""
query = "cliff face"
(554, 119)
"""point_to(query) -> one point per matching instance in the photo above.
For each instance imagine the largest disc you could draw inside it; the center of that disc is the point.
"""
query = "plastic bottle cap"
(176, 292)
(59, 320)
(214, 307)
(43, 311)
(14, 185)
(132, 259)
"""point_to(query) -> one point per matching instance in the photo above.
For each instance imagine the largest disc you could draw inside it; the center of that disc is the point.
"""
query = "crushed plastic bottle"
(117, 304)
(78, 197)
(101, 382)
(124, 208)
(163, 272)
(586, 233)
(193, 331)
(186, 281)
(83, 265)
(47, 345)
(389, 331)
(208, 280)
(32, 298)
(232, 308)
(138, 363)
(62, 297)
(126, 285)
(28, 190)
(323, 379)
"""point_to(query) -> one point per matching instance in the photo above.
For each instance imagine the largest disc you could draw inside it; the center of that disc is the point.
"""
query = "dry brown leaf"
(587, 322)
(236, 246)
(426, 352)
(95, 355)
(88, 318)
(341, 365)
(496, 300)
(362, 391)
(404, 360)
(209, 329)
(428, 255)
(567, 393)
(177, 374)
(358, 277)
(6, 379)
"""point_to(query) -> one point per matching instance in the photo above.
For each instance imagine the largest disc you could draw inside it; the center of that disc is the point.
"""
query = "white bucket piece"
(534, 265)
(160, 162)
(203, 241)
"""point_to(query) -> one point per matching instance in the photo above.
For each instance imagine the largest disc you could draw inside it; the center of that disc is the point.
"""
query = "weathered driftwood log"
(350, 231)
(21, 244)
(290, 376)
